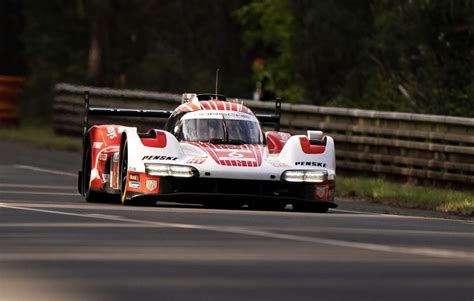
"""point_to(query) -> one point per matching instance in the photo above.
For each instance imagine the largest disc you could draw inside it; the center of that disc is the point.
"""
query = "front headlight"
(166, 170)
(311, 176)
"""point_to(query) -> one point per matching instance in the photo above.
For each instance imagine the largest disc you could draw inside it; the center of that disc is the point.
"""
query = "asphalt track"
(54, 246)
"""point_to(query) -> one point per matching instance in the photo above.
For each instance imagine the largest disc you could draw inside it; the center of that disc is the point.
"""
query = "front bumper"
(192, 189)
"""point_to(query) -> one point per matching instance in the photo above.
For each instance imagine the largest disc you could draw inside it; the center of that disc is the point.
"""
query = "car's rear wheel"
(91, 196)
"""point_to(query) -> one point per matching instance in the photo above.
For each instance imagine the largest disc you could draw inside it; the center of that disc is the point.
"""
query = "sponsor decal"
(278, 164)
(134, 177)
(97, 145)
(103, 157)
(111, 133)
(196, 160)
(168, 158)
(320, 192)
(230, 154)
(151, 185)
(134, 184)
(309, 163)
(233, 155)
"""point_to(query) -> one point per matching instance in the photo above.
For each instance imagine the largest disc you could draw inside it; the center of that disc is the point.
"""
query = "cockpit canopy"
(217, 127)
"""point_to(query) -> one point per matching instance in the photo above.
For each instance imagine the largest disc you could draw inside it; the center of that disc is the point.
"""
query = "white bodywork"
(271, 168)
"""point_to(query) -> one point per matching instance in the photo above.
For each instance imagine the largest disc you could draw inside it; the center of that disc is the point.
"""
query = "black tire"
(123, 175)
(91, 196)
(308, 207)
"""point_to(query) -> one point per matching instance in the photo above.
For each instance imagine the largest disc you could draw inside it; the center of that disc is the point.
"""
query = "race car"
(212, 151)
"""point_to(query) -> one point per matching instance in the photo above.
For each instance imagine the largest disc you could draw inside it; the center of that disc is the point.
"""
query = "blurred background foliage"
(396, 55)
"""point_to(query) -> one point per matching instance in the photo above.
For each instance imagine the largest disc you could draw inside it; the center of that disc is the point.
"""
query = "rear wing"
(97, 111)
(273, 119)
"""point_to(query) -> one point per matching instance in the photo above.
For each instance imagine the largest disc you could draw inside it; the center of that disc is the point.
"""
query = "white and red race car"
(212, 151)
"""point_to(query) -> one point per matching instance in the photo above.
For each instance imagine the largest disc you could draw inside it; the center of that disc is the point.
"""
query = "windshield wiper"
(224, 141)
(224, 125)
(235, 141)
(217, 141)
(226, 135)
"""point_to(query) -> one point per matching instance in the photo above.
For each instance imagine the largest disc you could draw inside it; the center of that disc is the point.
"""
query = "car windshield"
(222, 130)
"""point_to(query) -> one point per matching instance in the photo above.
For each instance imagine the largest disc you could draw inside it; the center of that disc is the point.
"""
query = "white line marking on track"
(103, 216)
(333, 230)
(37, 186)
(45, 170)
(75, 225)
(430, 252)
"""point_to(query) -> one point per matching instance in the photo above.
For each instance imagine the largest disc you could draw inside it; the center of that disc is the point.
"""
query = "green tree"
(422, 54)
(158, 45)
(407, 55)
(327, 47)
(55, 39)
(190, 40)
(268, 34)
(12, 57)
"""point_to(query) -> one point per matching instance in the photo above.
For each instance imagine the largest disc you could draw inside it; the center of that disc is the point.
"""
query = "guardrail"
(420, 148)
(10, 91)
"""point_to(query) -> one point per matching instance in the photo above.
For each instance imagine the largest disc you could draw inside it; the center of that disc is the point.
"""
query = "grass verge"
(40, 135)
(407, 196)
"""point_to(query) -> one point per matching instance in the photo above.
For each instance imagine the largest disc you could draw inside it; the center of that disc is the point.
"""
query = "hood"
(246, 155)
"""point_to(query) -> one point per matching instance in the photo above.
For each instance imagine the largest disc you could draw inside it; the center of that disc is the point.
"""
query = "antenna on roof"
(217, 80)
